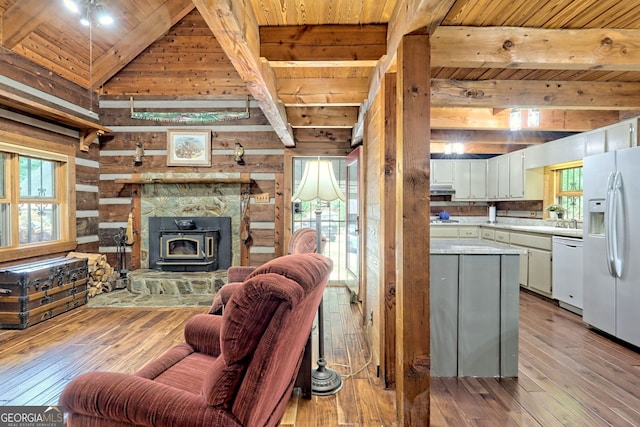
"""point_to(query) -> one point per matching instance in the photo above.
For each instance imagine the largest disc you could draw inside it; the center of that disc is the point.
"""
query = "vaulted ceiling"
(314, 65)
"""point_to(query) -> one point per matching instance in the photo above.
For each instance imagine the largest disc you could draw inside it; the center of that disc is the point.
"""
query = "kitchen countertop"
(542, 229)
(472, 247)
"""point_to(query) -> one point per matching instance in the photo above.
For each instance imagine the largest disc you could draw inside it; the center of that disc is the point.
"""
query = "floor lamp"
(319, 183)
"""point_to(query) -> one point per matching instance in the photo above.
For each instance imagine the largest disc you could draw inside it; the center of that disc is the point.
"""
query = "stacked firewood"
(102, 277)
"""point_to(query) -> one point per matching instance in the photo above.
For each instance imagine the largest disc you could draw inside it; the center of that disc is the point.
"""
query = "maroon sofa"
(237, 369)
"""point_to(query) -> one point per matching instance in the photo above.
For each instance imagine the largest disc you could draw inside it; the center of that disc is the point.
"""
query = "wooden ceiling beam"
(22, 18)
(235, 26)
(324, 64)
(316, 135)
(323, 42)
(407, 16)
(534, 48)
(536, 94)
(322, 91)
(488, 137)
(550, 120)
(322, 117)
(151, 29)
(476, 148)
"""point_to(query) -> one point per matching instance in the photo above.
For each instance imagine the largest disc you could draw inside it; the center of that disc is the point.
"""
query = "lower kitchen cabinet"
(474, 315)
(535, 266)
(539, 271)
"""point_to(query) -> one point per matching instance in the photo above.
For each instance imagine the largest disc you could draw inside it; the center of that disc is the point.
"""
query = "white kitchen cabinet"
(567, 149)
(503, 177)
(621, 135)
(539, 277)
(454, 231)
(492, 178)
(443, 232)
(470, 180)
(535, 266)
(595, 142)
(442, 171)
(468, 232)
(516, 174)
(488, 233)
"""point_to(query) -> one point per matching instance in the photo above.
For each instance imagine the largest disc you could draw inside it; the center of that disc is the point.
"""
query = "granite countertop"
(472, 247)
(542, 229)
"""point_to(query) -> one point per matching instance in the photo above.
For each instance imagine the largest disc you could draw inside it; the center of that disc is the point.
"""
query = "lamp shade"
(318, 182)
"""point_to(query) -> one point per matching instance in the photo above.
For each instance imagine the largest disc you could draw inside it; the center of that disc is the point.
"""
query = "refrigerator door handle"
(608, 224)
(618, 228)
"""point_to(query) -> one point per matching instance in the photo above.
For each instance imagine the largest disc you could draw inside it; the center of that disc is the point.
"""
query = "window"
(37, 215)
(569, 191)
(332, 217)
(38, 204)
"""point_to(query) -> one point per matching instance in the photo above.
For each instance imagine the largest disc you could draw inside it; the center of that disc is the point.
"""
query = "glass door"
(353, 222)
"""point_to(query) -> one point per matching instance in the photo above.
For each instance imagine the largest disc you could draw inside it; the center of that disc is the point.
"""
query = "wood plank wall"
(373, 236)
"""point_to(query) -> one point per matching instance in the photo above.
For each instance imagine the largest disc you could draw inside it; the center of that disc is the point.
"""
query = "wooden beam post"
(388, 295)
(412, 232)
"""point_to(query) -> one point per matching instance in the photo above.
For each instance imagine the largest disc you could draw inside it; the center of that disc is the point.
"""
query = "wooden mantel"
(174, 180)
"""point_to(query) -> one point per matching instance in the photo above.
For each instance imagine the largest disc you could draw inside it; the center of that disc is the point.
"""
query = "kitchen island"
(474, 291)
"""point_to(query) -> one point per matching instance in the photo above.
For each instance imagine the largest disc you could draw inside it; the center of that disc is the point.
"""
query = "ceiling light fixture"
(91, 12)
(515, 120)
(454, 148)
(533, 118)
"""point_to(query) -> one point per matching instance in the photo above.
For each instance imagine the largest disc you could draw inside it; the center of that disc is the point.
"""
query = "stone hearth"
(170, 283)
(155, 288)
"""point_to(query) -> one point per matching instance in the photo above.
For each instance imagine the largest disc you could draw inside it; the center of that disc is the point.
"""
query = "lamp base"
(325, 381)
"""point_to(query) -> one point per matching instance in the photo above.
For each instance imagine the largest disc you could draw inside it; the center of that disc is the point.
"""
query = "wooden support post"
(412, 219)
(389, 230)
(245, 255)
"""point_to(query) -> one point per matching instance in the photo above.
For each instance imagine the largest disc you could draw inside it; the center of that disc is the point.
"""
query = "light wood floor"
(569, 375)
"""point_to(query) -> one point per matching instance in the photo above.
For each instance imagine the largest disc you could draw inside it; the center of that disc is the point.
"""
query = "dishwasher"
(567, 273)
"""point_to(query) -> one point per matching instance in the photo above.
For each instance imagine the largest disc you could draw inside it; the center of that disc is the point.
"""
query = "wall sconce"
(139, 154)
(238, 154)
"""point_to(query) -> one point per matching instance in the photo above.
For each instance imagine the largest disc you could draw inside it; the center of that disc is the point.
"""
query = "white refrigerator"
(611, 239)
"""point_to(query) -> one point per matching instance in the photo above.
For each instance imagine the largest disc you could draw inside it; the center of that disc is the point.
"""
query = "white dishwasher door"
(567, 272)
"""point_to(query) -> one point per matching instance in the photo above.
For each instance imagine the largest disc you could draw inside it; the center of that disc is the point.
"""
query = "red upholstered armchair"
(302, 241)
(237, 369)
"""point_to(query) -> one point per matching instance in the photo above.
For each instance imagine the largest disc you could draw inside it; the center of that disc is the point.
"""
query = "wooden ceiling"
(313, 65)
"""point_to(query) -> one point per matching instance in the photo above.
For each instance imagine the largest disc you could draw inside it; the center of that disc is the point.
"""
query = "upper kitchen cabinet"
(492, 178)
(443, 171)
(621, 135)
(508, 178)
(595, 142)
(470, 179)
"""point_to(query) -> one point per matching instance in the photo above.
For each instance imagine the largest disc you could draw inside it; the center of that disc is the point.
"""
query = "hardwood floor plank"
(568, 374)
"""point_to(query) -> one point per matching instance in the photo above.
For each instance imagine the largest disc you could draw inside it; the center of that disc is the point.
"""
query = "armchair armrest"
(237, 273)
(131, 400)
(222, 297)
(202, 333)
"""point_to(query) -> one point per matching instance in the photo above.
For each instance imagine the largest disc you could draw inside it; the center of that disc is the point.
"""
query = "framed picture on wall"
(187, 147)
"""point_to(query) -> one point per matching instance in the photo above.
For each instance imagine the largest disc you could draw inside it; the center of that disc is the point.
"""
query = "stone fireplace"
(197, 201)
(189, 243)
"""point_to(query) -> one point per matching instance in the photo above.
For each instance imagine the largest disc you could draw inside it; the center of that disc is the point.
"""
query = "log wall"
(86, 179)
(263, 166)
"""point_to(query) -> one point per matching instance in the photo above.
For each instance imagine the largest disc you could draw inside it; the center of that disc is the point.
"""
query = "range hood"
(441, 190)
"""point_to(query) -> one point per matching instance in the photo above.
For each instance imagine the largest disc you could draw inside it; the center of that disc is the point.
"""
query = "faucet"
(573, 223)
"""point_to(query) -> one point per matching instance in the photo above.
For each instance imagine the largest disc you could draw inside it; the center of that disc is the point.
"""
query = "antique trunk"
(37, 291)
